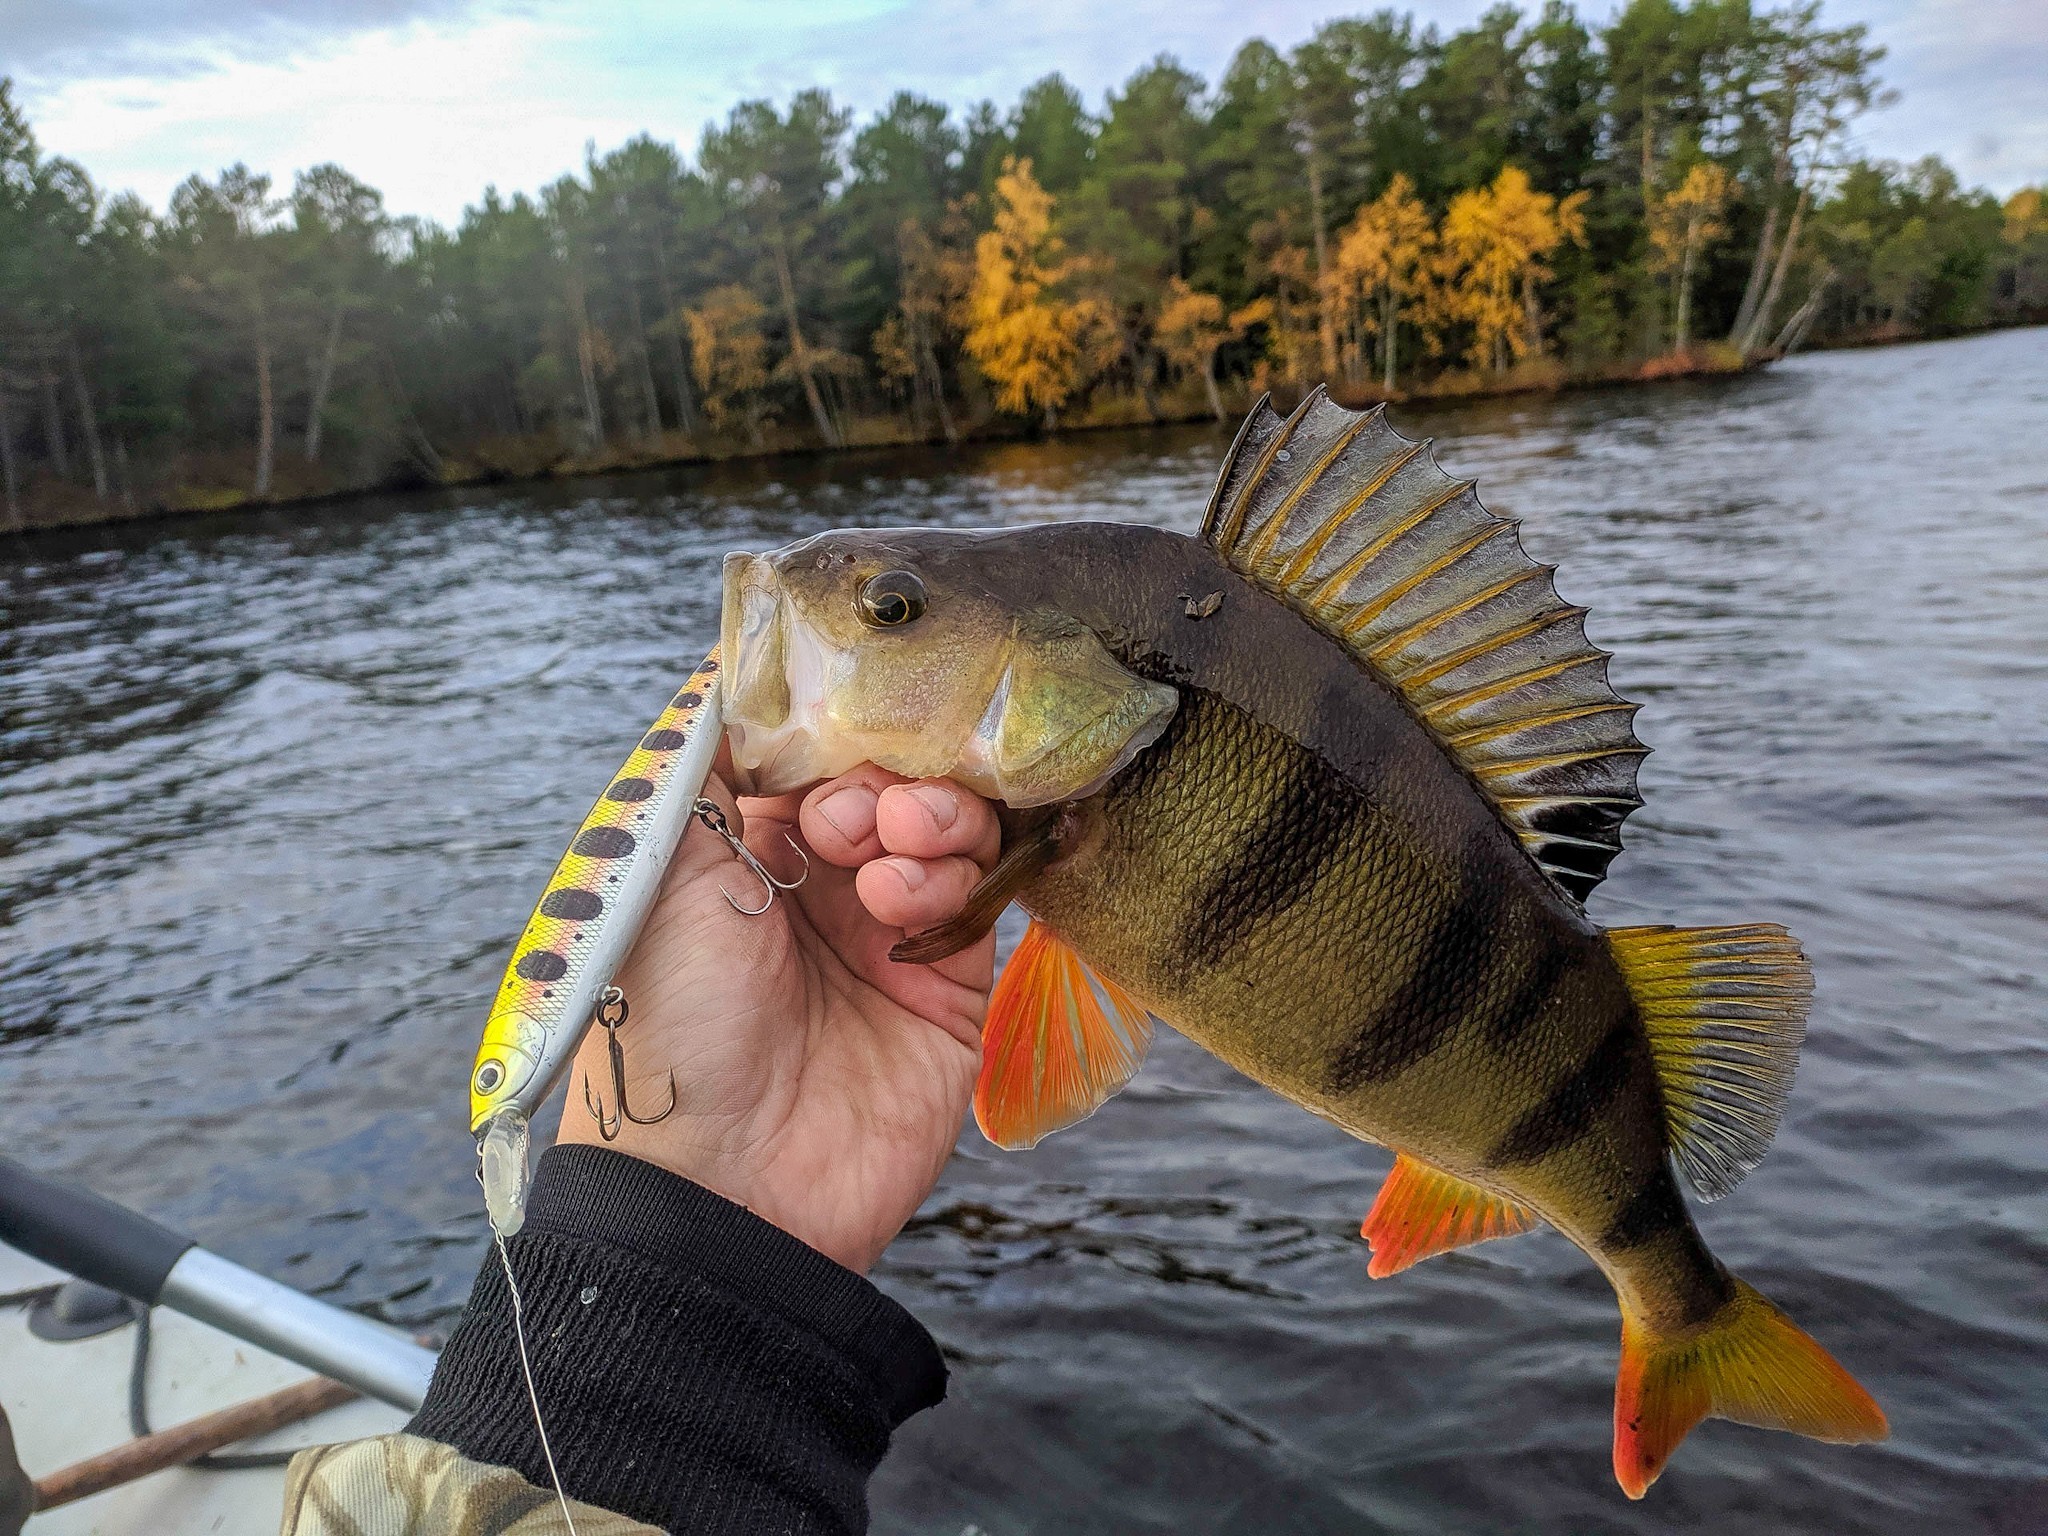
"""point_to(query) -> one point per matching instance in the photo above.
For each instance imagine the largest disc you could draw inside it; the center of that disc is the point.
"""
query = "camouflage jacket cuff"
(698, 1368)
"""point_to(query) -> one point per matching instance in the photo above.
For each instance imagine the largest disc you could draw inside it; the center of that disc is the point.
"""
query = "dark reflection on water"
(278, 792)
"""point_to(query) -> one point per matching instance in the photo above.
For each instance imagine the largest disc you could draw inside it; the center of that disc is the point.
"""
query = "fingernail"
(851, 811)
(945, 810)
(911, 871)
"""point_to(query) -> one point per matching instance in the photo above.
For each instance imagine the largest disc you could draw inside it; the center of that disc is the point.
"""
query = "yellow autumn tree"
(1193, 326)
(2026, 215)
(1023, 331)
(1382, 271)
(1683, 223)
(729, 356)
(1294, 331)
(1491, 250)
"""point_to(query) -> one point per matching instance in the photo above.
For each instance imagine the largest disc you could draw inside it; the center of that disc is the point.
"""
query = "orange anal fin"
(1057, 1042)
(1422, 1211)
(1749, 1363)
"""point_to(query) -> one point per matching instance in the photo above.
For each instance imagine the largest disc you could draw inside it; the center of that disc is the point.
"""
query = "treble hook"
(707, 811)
(611, 1013)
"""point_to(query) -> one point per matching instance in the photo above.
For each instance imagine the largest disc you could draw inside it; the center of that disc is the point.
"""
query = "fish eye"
(892, 598)
(490, 1077)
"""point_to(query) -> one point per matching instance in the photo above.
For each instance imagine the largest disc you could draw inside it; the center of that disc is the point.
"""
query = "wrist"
(668, 1147)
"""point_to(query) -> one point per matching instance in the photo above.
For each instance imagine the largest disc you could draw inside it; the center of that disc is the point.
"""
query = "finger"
(916, 893)
(838, 817)
(932, 818)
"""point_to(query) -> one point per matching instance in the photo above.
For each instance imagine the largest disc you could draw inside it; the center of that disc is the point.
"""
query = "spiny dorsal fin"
(1421, 1210)
(1056, 1042)
(1356, 528)
(1725, 1009)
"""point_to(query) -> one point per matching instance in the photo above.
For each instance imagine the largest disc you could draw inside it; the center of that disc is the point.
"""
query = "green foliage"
(1212, 239)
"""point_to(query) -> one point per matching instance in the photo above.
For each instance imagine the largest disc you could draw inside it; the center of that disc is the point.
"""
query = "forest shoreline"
(73, 510)
(498, 463)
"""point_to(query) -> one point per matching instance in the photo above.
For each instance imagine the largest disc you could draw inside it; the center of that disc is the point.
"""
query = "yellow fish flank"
(1325, 789)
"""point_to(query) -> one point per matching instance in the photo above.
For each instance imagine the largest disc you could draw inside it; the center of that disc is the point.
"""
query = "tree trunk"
(53, 424)
(1769, 304)
(1390, 323)
(650, 399)
(1801, 322)
(1682, 326)
(799, 353)
(10, 475)
(1649, 151)
(127, 477)
(1758, 268)
(87, 416)
(1142, 369)
(1209, 384)
(679, 365)
(515, 408)
(422, 446)
(1327, 322)
(266, 409)
(586, 368)
(323, 382)
(930, 382)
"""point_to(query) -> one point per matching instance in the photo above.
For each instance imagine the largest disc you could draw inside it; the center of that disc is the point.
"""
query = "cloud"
(53, 40)
(1973, 82)
(431, 100)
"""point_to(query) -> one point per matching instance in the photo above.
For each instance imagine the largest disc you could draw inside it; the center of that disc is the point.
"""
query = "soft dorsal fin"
(1357, 529)
(1422, 1211)
(1725, 1010)
(1057, 1041)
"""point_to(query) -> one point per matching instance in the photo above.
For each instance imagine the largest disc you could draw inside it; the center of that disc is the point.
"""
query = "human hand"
(818, 1082)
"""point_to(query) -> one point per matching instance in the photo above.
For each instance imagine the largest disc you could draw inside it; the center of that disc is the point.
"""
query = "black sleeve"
(698, 1368)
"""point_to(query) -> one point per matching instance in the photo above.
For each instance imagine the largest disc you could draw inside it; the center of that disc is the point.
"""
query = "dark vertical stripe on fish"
(1279, 863)
(1654, 1209)
(1508, 1022)
(1449, 978)
(1575, 1104)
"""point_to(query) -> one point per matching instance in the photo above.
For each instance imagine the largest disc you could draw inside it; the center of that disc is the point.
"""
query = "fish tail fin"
(1749, 1363)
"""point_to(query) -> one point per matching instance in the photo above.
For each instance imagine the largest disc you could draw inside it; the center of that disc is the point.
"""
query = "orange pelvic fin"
(1750, 1363)
(1057, 1042)
(1422, 1211)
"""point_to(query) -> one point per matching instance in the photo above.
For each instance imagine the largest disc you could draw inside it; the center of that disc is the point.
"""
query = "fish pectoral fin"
(1423, 1211)
(1022, 862)
(1057, 1042)
(1725, 1010)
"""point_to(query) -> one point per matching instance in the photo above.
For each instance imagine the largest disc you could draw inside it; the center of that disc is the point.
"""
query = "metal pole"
(91, 1237)
(351, 1348)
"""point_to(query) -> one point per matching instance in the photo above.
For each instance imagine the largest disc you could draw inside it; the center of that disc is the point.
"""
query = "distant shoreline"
(501, 463)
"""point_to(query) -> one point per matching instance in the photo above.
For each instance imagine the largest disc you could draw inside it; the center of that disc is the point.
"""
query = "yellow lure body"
(594, 905)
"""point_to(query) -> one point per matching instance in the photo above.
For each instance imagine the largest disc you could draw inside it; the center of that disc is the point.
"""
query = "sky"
(432, 100)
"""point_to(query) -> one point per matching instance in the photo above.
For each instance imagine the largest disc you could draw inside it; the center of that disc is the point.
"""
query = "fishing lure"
(578, 936)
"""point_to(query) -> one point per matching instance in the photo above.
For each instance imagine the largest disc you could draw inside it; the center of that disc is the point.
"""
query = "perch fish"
(1325, 789)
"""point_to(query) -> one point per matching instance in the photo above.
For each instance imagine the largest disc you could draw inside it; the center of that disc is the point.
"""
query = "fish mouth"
(774, 681)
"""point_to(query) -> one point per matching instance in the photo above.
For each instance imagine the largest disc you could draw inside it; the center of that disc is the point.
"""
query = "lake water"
(277, 791)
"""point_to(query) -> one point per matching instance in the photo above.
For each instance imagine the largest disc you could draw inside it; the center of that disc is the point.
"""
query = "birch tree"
(1684, 222)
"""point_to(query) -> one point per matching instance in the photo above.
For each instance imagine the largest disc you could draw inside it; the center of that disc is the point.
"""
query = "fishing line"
(526, 1367)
